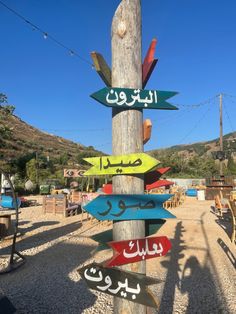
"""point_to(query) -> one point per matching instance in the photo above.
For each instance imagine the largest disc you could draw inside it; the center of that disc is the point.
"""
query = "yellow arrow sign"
(124, 164)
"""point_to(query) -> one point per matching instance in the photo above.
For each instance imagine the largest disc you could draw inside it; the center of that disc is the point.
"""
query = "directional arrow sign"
(129, 207)
(122, 284)
(134, 98)
(132, 251)
(153, 176)
(124, 164)
(151, 226)
(101, 67)
(149, 62)
(147, 130)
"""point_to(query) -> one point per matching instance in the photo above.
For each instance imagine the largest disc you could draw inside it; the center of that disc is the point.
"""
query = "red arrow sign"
(158, 184)
(131, 251)
(149, 62)
(155, 175)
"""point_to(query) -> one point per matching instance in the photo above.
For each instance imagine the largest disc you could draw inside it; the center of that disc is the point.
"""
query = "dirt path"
(198, 273)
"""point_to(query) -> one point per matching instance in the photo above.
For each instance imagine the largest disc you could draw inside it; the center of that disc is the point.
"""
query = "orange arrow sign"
(147, 130)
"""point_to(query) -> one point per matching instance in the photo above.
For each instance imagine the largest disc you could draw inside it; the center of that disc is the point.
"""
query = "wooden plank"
(149, 62)
(129, 207)
(147, 130)
(122, 284)
(127, 125)
(135, 250)
(101, 67)
(124, 164)
(129, 98)
(8, 212)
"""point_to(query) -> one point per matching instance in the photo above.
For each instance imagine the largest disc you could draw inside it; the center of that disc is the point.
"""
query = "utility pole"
(221, 135)
(36, 169)
(127, 127)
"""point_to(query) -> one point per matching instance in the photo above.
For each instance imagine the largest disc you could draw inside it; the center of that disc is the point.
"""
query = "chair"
(221, 205)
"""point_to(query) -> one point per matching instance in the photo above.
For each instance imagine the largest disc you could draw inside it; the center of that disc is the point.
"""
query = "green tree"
(31, 170)
(8, 109)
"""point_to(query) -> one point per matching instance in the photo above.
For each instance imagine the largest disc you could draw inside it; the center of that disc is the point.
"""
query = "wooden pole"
(127, 129)
(221, 135)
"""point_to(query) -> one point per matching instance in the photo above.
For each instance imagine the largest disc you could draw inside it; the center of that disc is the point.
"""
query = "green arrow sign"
(124, 164)
(152, 226)
(134, 98)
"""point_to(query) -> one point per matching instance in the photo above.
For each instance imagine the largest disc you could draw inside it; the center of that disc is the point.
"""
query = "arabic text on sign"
(121, 98)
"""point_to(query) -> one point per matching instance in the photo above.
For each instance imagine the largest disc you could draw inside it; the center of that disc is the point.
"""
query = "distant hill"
(199, 159)
(21, 141)
(17, 139)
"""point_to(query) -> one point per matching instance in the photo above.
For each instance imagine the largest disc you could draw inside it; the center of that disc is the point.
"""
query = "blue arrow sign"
(129, 207)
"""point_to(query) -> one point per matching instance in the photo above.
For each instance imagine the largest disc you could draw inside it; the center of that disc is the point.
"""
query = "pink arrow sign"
(131, 251)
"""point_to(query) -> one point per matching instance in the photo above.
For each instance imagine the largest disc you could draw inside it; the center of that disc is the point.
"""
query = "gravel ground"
(198, 273)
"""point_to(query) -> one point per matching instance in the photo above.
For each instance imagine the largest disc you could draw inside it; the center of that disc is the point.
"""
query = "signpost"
(134, 98)
(126, 285)
(136, 250)
(152, 226)
(129, 207)
(124, 164)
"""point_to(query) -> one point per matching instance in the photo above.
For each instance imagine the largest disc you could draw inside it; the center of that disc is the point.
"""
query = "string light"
(46, 35)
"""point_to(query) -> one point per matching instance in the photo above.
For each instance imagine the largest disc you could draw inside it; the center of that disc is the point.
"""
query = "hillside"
(18, 139)
(21, 143)
(199, 159)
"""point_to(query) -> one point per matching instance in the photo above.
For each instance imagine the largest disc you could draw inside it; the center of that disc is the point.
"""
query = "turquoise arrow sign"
(134, 98)
(129, 207)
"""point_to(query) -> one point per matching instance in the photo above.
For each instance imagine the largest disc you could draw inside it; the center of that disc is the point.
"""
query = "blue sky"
(50, 89)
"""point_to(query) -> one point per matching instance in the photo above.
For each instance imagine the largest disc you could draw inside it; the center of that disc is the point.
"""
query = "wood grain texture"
(101, 67)
(127, 131)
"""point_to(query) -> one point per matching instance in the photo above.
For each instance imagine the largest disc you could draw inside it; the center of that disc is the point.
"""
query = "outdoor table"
(5, 221)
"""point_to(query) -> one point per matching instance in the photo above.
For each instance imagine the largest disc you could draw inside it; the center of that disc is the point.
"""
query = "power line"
(228, 117)
(75, 130)
(205, 102)
(195, 126)
(46, 35)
